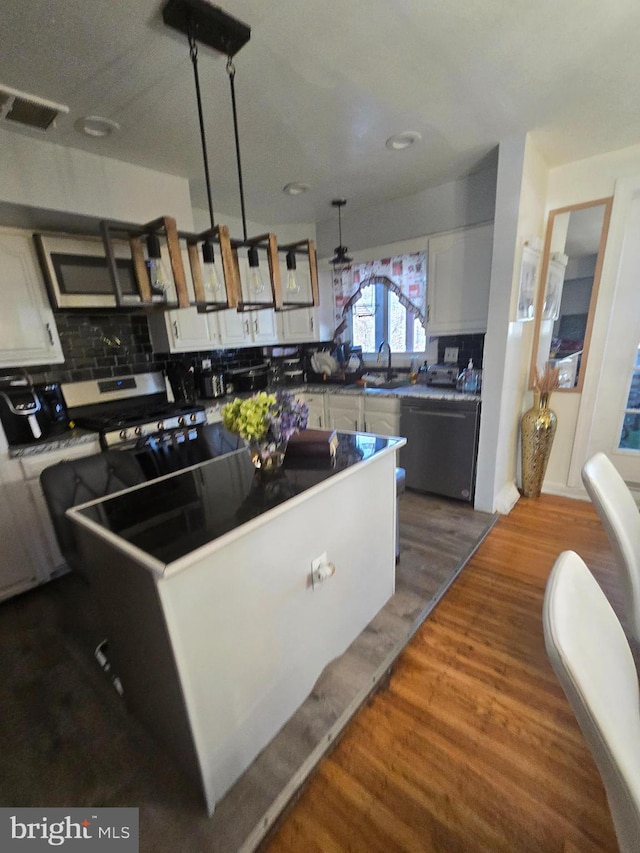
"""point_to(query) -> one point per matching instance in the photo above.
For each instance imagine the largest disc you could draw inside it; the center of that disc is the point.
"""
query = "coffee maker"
(31, 413)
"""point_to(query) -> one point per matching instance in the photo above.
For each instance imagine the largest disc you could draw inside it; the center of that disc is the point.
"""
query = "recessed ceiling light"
(295, 188)
(403, 140)
(97, 126)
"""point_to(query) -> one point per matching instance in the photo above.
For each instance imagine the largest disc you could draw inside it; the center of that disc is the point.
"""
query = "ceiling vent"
(28, 110)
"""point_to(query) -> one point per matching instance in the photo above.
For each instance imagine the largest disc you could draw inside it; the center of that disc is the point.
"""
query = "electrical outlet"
(206, 363)
(450, 355)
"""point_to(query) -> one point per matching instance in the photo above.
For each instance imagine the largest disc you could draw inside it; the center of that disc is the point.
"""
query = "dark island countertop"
(183, 511)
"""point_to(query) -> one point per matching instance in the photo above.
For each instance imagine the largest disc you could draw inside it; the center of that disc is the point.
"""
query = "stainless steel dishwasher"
(442, 444)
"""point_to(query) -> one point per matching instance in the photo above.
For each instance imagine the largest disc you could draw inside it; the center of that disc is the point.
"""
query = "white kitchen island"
(216, 628)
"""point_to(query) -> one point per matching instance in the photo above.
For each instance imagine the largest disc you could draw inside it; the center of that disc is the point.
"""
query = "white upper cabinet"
(28, 334)
(458, 281)
(183, 329)
(297, 326)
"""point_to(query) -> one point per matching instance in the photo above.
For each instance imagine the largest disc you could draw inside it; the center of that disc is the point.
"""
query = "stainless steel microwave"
(76, 271)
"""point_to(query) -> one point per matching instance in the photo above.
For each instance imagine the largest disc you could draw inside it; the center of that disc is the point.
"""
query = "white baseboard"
(564, 491)
(506, 499)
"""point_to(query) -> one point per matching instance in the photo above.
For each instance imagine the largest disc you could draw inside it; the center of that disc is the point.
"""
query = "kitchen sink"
(388, 384)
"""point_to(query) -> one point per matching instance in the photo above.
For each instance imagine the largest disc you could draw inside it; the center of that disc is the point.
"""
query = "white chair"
(619, 514)
(592, 659)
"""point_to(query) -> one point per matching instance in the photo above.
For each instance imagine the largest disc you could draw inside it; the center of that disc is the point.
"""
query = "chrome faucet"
(380, 348)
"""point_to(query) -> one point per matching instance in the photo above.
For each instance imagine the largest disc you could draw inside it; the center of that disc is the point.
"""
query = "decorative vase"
(267, 456)
(538, 426)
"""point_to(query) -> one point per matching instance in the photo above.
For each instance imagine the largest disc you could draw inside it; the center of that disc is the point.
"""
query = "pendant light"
(341, 262)
(211, 26)
(198, 20)
(266, 242)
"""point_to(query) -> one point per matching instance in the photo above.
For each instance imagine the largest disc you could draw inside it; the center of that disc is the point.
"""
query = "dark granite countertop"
(171, 517)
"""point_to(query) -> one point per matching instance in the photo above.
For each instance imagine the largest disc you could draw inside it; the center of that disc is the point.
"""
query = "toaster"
(442, 374)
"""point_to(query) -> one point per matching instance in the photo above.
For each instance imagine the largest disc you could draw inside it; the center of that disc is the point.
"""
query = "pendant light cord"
(231, 71)
(193, 52)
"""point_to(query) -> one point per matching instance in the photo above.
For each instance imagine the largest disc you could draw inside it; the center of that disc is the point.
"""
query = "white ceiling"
(321, 86)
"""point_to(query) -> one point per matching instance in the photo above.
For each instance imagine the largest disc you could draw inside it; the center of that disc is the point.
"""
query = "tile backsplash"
(469, 346)
(101, 345)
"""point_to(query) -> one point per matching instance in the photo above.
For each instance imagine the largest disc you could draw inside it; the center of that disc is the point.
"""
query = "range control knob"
(160, 425)
(181, 420)
(193, 417)
(138, 431)
(124, 434)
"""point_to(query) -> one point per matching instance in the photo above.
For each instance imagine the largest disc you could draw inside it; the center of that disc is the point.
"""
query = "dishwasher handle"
(423, 413)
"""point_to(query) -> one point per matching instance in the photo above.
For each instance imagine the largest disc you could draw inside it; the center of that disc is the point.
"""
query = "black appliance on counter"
(183, 382)
(243, 379)
(31, 412)
(134, 413)
(212, 384)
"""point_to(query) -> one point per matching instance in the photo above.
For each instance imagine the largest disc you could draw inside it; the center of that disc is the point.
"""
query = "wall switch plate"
(206, 363)
(450, 354)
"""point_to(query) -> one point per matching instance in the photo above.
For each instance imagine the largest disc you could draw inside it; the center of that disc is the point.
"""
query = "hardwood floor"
(473, 746)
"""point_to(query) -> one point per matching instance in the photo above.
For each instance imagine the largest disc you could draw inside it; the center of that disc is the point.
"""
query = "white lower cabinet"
(316, 405)
(344, 411)
(30, 549)
(22, 556)
(28, 333)
(381, 415)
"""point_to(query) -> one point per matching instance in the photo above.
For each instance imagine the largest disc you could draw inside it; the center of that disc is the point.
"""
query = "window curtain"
(405, 275)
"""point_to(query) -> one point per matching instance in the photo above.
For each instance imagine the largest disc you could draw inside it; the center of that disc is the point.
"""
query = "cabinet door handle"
(175, 329)
(255, 325)
(311, 323)
(50, 333)
(428, 313)
(246, 327)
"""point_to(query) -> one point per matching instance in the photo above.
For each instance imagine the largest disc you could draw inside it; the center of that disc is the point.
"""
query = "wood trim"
(608, 204)
(175, 256)
(594, 293)
(229, 267)
(140, 269)
(274, 271)
(196, 271)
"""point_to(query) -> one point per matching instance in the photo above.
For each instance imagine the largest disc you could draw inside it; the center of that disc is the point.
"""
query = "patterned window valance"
(405, 275)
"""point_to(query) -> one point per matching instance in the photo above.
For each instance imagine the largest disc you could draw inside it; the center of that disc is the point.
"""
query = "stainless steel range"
(135, 413)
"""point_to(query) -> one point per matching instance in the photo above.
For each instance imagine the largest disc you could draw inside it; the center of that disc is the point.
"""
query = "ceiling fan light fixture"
(340, 257)
(403, 140)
